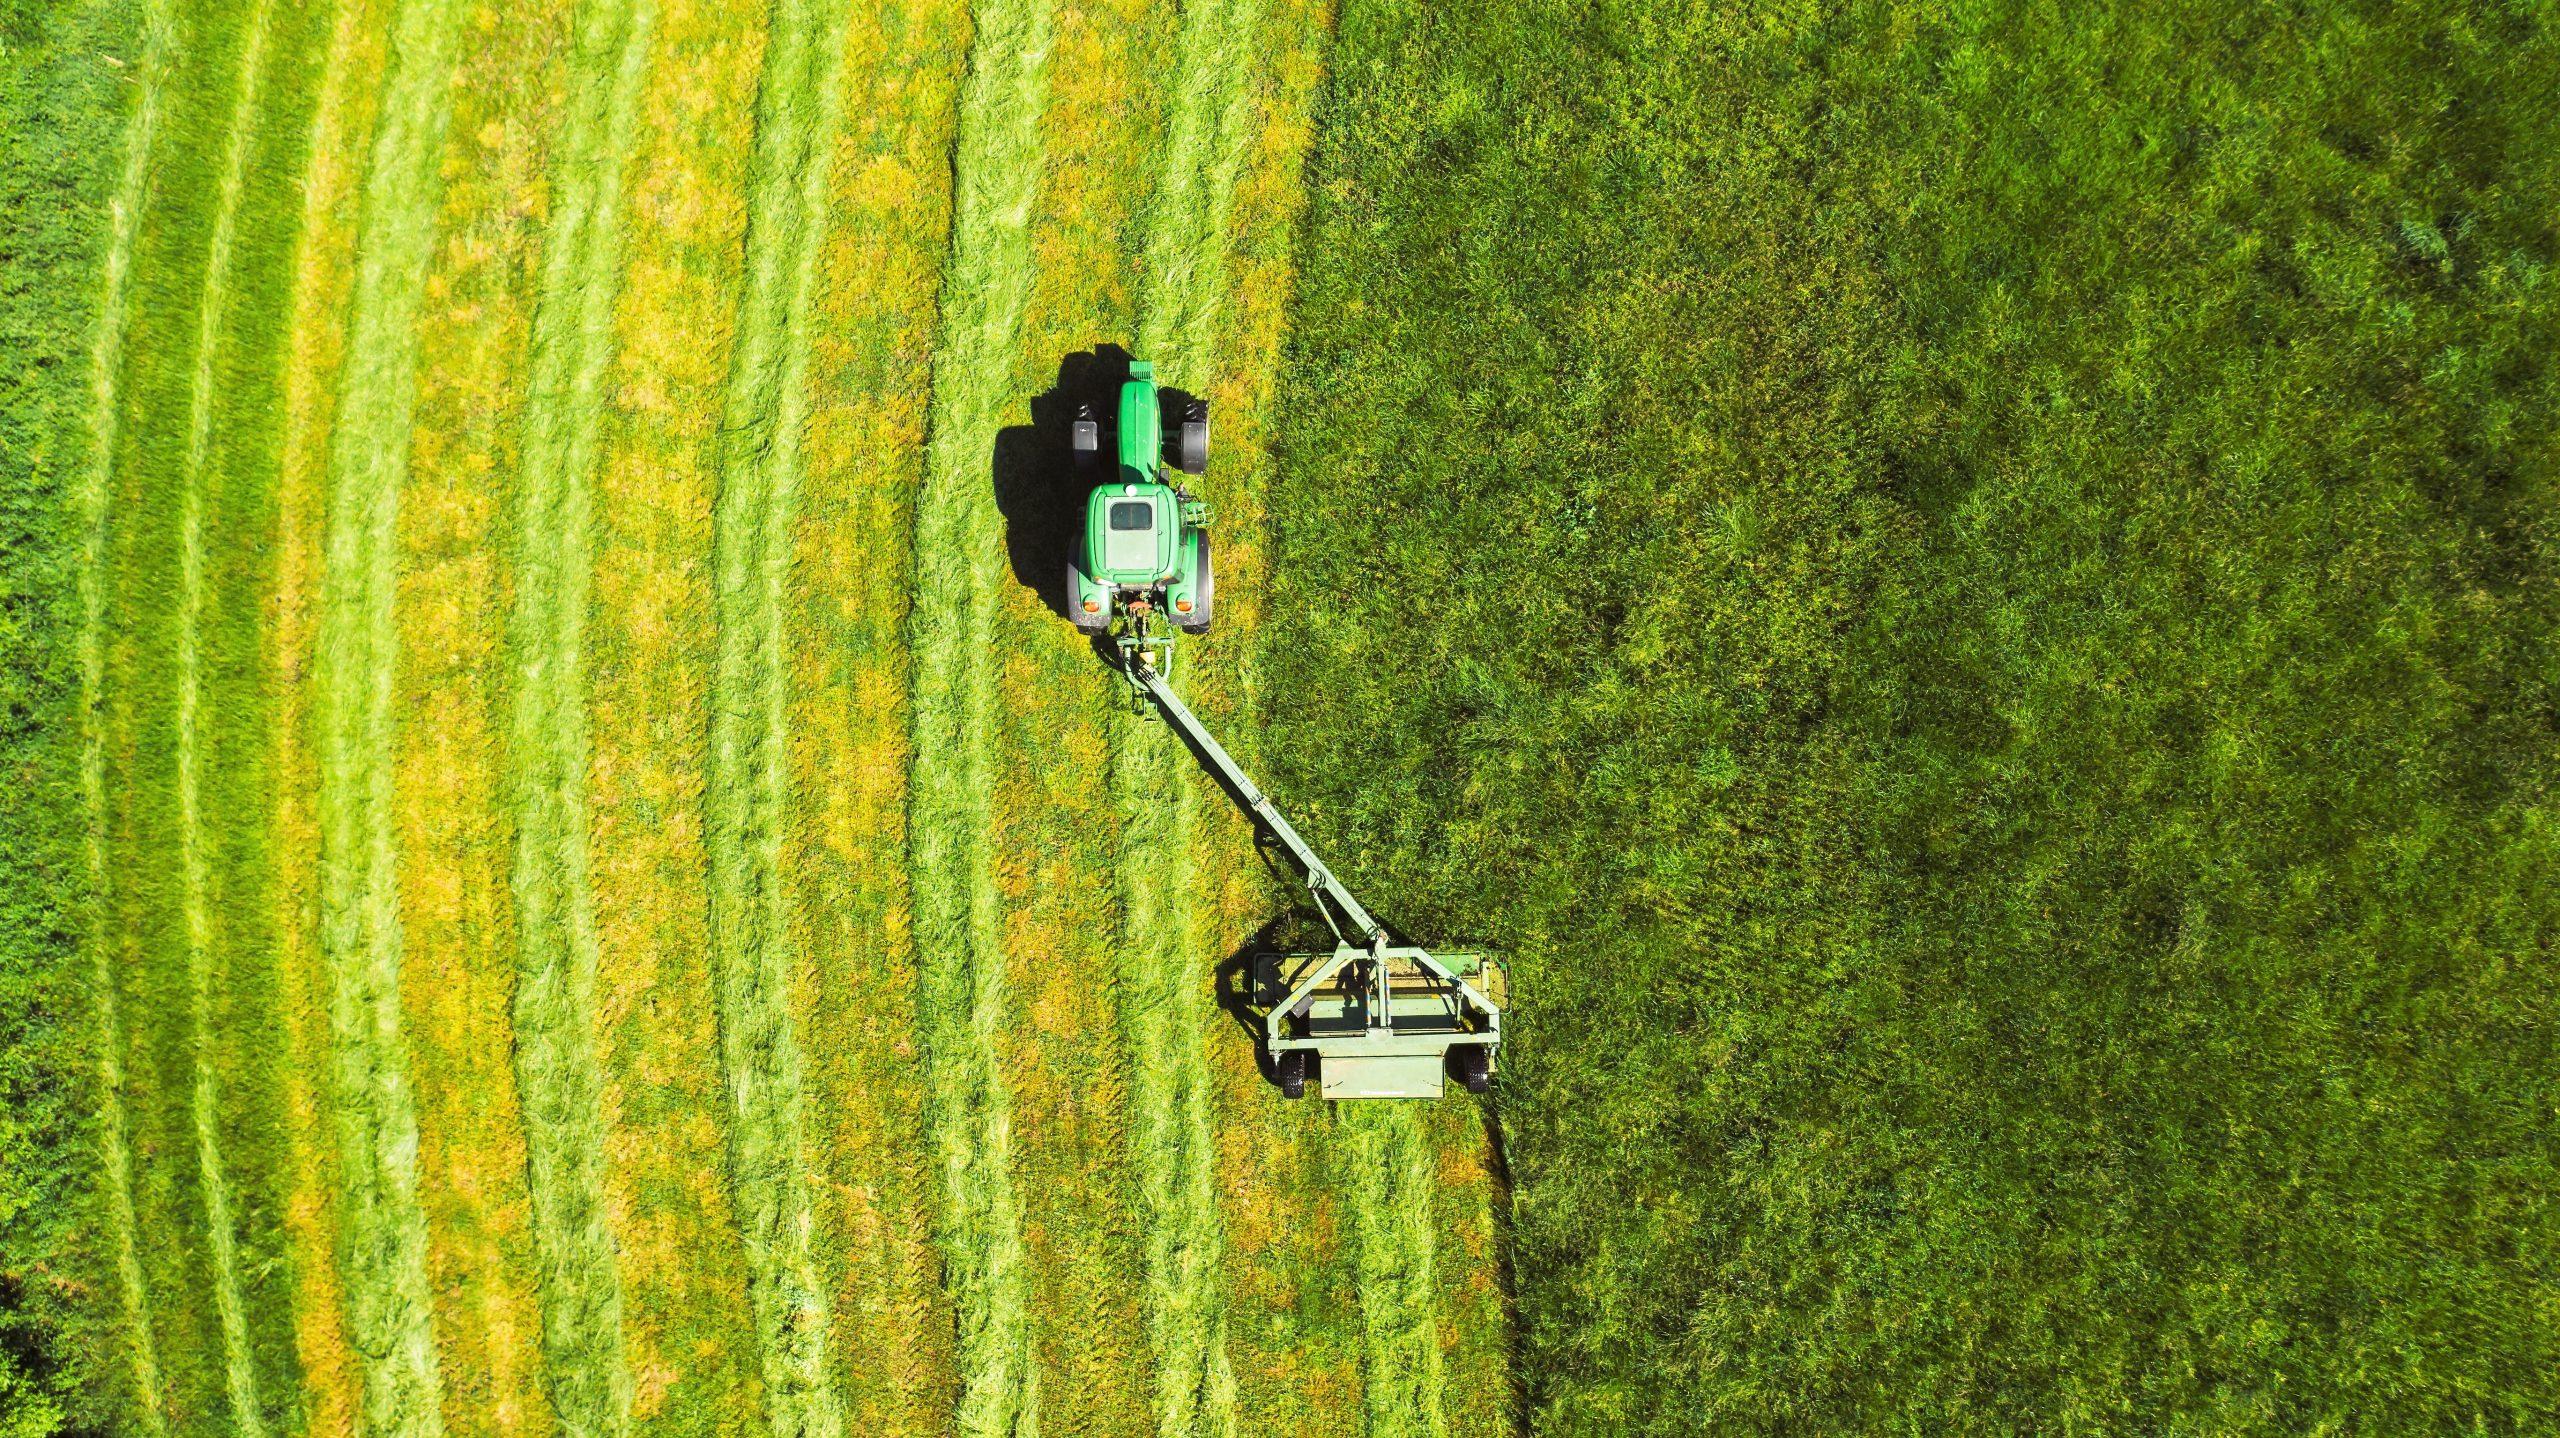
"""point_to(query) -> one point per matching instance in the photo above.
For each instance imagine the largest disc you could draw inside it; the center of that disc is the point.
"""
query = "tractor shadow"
(1038, 487)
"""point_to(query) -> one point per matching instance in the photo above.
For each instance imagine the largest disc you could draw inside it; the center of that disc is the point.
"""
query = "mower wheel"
(1291, 1067)
(1192, 453)
(1473, 1065)
(1204, 592)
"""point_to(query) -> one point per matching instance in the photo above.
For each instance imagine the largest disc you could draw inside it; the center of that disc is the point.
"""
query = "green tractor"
(1142, 558)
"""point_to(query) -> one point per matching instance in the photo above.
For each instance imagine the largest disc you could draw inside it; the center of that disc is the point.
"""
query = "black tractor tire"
(1191, 440)
(1089, 623)
(1290, 1068)
(1084, 436)
(1473, 1066)
(1204, 593)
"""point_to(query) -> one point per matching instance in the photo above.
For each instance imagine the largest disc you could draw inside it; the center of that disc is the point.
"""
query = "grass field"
(600, 911)
(1965, 592)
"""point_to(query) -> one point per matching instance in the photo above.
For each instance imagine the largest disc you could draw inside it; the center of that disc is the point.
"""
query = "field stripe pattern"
(107, 358)
(1163, 985)
(958, 559)
(587, 1374)
(195, 878)
(1395, 1230)
(799, 109)
(389, 1314)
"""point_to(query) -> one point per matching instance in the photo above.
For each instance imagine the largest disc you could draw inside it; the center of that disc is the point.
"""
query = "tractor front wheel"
(1204, 588)
(1191, 451)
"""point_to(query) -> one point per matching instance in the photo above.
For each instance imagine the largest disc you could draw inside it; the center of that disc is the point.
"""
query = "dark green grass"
(1968, 599)
(62, 114)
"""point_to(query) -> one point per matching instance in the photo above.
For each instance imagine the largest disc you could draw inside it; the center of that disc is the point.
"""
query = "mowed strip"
(689, 1332)
(1165, 974)
(872, 357)
(459, 973)
(195, 869)
(384, 1229)
(323, 280)
(558, 1084)
(92, 499)
(1395, 1228)
(958, 562)
(799, 106)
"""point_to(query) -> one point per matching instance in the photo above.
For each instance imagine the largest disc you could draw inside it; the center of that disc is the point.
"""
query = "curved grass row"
(222, 1246)
(389, 1316)
(588, 1376)
(958, 562)
(91, 501)
(798, 113)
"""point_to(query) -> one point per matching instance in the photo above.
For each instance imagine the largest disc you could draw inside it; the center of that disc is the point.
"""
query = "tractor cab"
(1143, 553)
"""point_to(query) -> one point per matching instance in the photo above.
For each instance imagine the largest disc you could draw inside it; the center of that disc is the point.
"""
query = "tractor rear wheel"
(1192, 448)
(1291, 1070)
(1097, 623)
(1473, 1064)
(1204, 589)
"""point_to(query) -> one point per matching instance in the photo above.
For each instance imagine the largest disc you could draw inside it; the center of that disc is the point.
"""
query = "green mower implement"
(1370, 1018)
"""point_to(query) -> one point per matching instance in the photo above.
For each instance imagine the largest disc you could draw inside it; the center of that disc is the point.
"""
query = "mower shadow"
(1037, 486)
(1235, 986)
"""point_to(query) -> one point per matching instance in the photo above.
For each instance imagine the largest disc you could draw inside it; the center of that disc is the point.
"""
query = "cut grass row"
(959, 931)
(1393, 1177)
(587, 1374)
(1163, 979)
(799, 109)
(389, 1313)
(92, 501)
(195, 866)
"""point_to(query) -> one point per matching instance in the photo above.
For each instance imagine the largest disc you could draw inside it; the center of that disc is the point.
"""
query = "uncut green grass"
(958, 555)
(1968, 596)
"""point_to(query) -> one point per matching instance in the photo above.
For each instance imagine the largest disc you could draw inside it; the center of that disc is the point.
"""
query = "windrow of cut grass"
(222, 1246)
(957, 564)
(872, 332)
(92, 502)
(384, 1237)
(1165, 976)
(799, 109)
(1393, 1177)
(587, 1374)
(323, 267)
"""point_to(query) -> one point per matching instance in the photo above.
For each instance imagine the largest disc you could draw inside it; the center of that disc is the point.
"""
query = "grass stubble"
(958, 561)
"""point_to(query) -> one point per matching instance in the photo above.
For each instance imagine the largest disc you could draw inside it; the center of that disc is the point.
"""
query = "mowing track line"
(106, 368)
(959, 560)
(390, 1318)
(1396, 1233)
(799, 107)
(194, 877)
(557, 1077)
(1163, 987)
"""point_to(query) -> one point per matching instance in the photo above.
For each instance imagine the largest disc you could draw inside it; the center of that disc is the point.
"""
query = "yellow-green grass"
(1052, 815)
(93, 501)
(323, 278)
(689, 1334)
(569, 350)
(383, 1221)
(871, 354)
(1164, 973)
(799, 105)
(963, 988)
